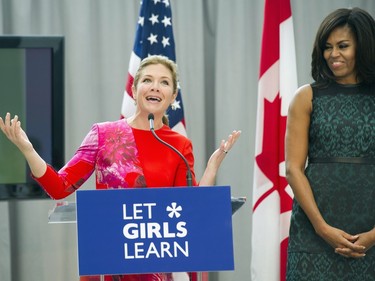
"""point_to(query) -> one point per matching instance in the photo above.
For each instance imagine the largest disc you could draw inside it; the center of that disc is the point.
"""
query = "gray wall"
(217, 46)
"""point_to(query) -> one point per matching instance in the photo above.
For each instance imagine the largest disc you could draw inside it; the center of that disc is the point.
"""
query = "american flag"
(272, 196)
(154, 36)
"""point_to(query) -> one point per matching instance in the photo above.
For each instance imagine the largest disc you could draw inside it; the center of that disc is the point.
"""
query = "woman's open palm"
(14, 132)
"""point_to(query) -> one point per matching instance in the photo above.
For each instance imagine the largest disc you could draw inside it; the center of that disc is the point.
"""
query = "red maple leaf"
(269, 160)
(272, 155)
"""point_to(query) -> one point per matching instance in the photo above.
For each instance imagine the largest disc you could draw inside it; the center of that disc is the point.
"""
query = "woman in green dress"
(330, 155)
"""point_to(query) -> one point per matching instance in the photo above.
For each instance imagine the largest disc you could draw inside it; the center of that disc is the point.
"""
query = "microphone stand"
(189, 180)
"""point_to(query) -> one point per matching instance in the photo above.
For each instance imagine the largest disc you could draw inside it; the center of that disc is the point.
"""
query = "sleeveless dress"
(341, 172)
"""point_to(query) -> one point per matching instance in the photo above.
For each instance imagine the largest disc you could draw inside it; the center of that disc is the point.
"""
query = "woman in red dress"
(124, 153)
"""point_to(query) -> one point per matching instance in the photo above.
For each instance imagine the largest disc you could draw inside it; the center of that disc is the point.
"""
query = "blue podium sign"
(144, 230)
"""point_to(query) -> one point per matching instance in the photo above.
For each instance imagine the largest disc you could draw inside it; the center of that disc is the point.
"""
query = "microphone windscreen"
(151, 116)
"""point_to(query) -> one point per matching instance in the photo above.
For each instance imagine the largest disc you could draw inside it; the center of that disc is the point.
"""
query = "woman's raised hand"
(13, 131)
(217, 157)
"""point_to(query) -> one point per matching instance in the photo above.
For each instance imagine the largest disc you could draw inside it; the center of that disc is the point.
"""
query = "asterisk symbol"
(174, 210)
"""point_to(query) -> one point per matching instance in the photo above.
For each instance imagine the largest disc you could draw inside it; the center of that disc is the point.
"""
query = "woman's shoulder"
(303, 98)
(117, 127)
(168, 131)
(305, 89)
(173, 135)
(303, 93)
(108, 125)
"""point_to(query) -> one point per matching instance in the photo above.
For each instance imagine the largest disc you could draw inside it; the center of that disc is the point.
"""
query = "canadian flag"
(272, 196)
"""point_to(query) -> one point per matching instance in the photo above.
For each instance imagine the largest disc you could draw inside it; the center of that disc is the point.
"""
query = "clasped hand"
(347, 245)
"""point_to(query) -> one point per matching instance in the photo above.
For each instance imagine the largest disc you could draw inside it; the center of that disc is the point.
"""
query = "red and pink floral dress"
(123, 157)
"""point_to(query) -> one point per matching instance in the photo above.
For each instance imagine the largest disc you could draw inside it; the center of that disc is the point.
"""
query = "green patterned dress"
(341, 171)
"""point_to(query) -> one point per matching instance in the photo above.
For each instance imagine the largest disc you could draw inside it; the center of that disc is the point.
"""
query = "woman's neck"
(141, 122)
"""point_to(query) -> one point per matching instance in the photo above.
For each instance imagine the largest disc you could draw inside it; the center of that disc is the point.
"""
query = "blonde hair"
(157, 59)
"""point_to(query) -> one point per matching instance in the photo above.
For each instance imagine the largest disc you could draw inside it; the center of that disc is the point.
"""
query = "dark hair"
(362, 25)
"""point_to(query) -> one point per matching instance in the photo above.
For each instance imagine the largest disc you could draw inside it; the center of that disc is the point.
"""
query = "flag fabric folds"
(272, 196)
(154, 36)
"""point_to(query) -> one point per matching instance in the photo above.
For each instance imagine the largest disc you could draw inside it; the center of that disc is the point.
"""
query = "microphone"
(189, 180)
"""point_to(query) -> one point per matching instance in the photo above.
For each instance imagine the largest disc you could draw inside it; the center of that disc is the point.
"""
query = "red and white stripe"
(128, 106)
(272, 196)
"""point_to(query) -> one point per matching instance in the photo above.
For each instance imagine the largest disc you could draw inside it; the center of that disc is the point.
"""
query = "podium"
(145, 230)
